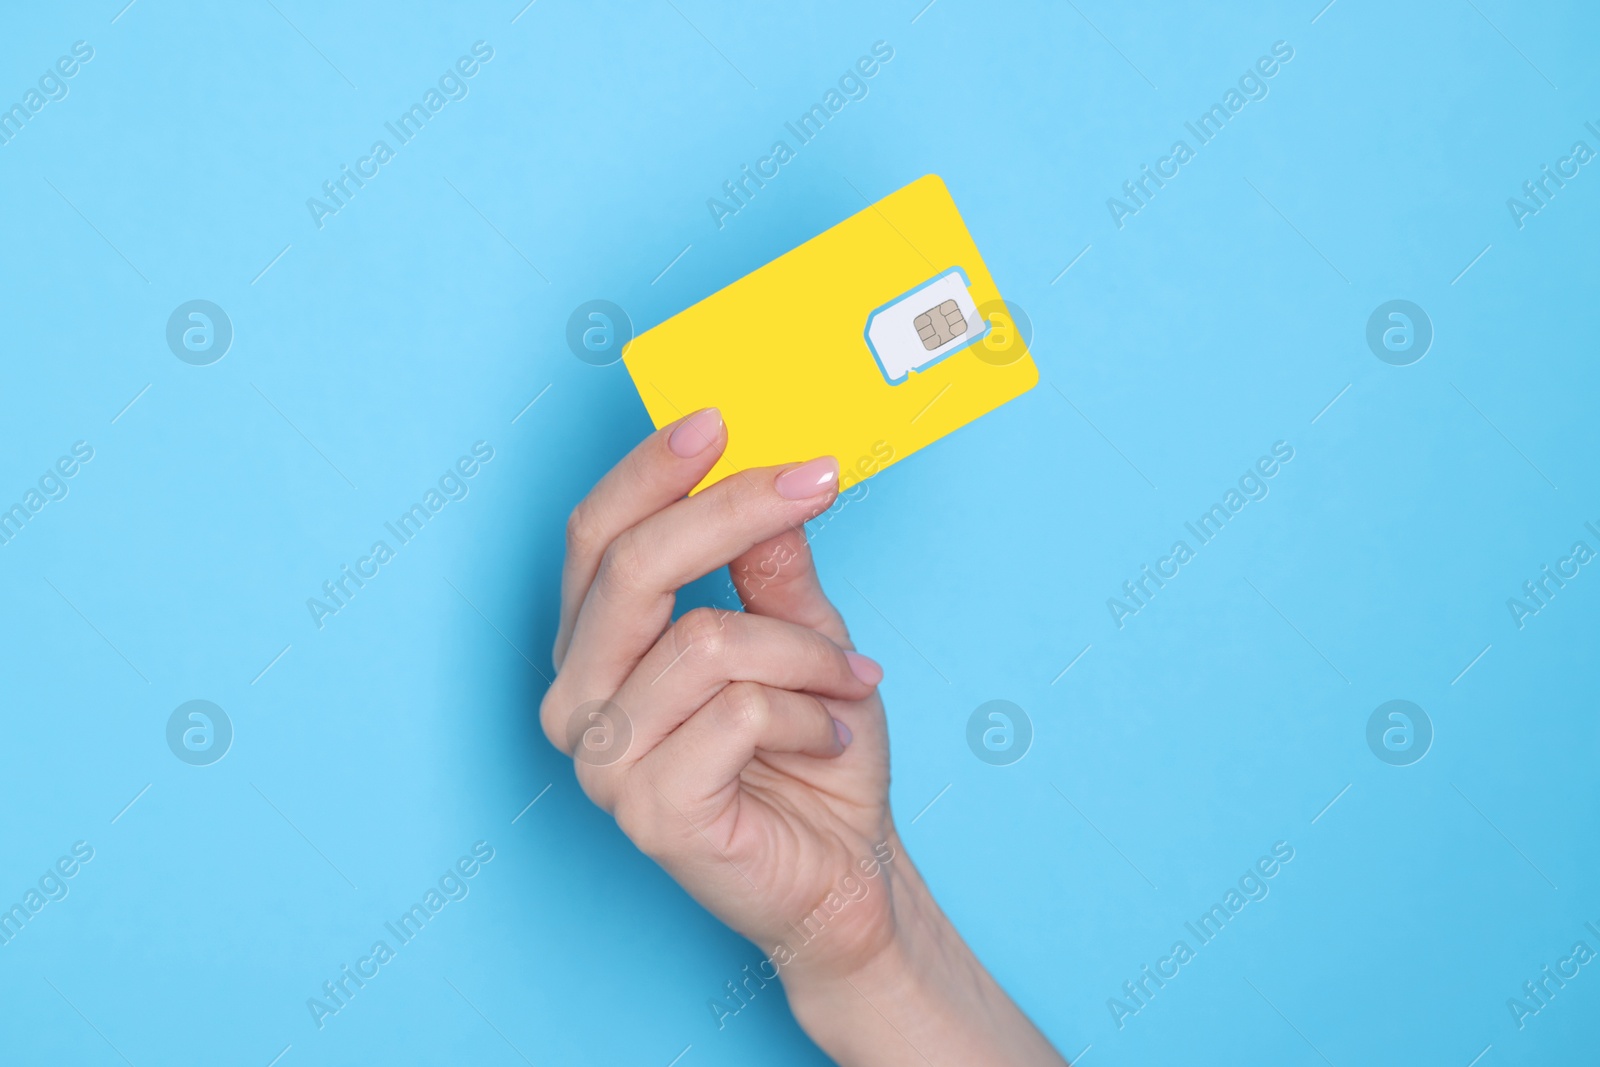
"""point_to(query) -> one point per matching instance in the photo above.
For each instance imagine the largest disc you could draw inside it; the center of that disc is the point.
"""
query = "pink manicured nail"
(808, 479)
(695, 434)
(865, 669)
(844, 733)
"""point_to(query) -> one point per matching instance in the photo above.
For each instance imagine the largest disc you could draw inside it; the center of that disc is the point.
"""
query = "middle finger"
(706, 651)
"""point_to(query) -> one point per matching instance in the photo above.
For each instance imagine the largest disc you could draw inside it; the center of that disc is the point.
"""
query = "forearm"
(924, 1000)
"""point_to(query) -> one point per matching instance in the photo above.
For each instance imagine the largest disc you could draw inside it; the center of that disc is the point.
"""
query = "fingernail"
(808, 479)
(864, 668)
(844, 733)
(695, 434)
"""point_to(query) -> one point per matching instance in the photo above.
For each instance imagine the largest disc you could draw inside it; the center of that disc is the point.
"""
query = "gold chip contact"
(940, 325)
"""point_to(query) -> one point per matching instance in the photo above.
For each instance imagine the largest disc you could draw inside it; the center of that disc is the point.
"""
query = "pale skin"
(757, 771)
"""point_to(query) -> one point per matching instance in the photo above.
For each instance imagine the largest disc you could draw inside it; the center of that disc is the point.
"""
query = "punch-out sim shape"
(919, 328)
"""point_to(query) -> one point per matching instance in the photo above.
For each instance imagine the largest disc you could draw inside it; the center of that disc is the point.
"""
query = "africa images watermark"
(452, 485)
(1538, 192)
(1252, 486)
(1252, 886)
(51, 87)
(1539, 992)
(850, 890)
(852, 85)
(1538, 592)
(453, 885)
(52, 485)
(452, 85)
(852, 487)
(52, 886)
(1252, 86)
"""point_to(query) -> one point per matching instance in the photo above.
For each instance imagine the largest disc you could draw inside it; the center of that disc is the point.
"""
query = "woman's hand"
(747, 752)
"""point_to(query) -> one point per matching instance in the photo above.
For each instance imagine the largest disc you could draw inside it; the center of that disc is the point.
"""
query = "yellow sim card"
(866, 343)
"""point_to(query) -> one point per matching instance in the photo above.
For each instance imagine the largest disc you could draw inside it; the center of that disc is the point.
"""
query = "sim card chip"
(938, 325)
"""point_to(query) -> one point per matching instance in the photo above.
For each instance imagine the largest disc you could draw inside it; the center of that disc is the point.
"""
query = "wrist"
(885, 991)
(921, 998)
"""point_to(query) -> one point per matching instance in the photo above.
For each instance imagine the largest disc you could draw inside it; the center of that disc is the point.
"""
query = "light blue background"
(1222, 318)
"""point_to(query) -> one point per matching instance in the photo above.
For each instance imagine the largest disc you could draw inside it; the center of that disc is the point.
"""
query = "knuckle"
(734, 507)
(744, 709)
(584, 535)
(823, 659)
(599, 785)
(550, 718)
(702, 633)
(624, 565)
